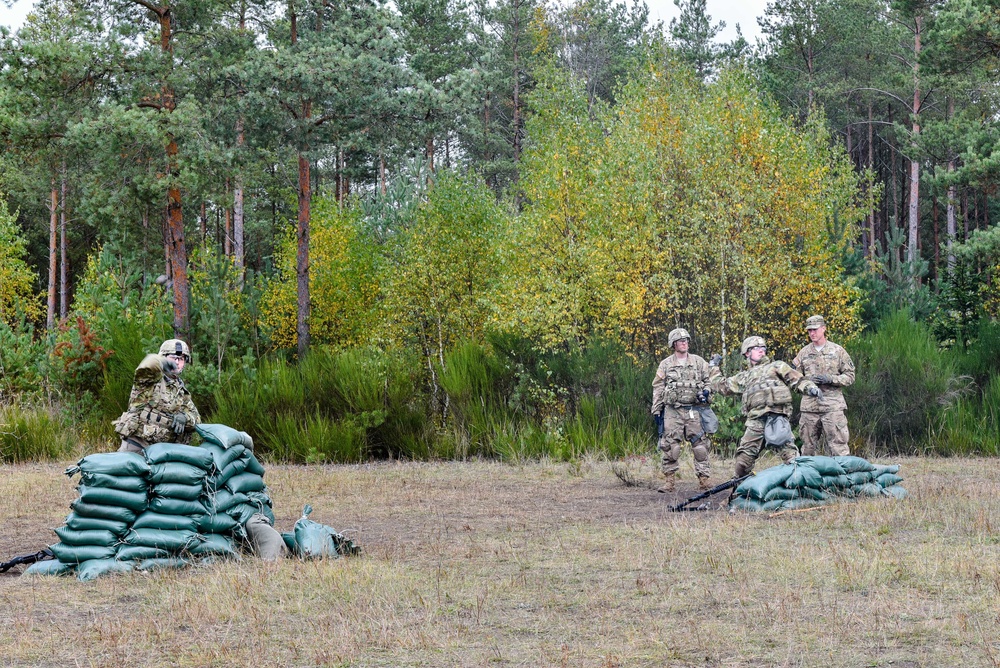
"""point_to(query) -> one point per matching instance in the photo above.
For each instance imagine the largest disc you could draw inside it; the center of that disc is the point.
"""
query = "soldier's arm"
(728, 386)
(846, 375)
(794, 378)
(659, 382)
(150, 370)
(194, 417)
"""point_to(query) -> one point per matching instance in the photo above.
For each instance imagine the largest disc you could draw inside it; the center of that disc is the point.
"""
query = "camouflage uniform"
(675, 391)
(765, 389)
(826, 415)
(154, 400)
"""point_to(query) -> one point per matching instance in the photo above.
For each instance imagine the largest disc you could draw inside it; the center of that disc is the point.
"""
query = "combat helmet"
(175, 347)
(676, 335)
(751, 342)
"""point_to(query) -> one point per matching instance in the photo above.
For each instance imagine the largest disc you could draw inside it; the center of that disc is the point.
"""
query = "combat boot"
(668, 484)
(704, 482)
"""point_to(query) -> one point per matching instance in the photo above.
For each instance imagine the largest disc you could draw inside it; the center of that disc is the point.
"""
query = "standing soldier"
(160, 409)
(831, 368)
(766, 403)
(681, 382)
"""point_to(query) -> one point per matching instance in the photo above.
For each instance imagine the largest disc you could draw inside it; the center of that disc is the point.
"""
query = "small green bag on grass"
(747, 504)
(95, 568)
(897, 491)
(314, 540)
(49, 567)
(888, 479)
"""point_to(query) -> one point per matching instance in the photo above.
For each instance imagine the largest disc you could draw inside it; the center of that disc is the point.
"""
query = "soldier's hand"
(169, 366)
(179, 423)
(703, 396)
(815, 392)
(821, 379)
(716, 360)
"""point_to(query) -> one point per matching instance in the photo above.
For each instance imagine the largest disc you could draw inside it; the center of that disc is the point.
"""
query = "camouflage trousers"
(679, 425)
(751, 445)
(833, 425)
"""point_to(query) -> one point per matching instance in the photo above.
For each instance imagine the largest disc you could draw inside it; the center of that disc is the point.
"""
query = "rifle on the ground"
(41, 555)
(729, 484)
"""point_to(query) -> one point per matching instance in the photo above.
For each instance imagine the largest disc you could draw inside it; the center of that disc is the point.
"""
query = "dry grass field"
(485, 564)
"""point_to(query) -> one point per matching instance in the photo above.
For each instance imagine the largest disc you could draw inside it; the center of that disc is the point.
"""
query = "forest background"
(447, 228)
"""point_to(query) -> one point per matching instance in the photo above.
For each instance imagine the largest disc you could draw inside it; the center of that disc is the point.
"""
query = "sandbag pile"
(815, 481)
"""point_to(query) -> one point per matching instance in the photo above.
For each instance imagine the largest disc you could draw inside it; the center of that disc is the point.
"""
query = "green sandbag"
(91, 537)
(112, 463)
(245, 482)
(242, 512)
(167, 506)
(854, 464)
(825, 465)
(813, 493)
(799, 504)
(882, 468)
(215, 544)
(225, 436)
(223, 457)
(231, 471)
(260, 499)
(869, 489)
(223, 500)
(126, 483)
(888, 479)
(173, 490)
(160, 453)
(757, 486)
(217, 523)
(95, 568)
(176, 472)
(804, 475)
(172, 541)
(113, 513)
(314, 540)
(290, 543)
(140, 552)
(743, 503)
(152, 520)
(81, 523)
(860, 478)
(75, 554)
(49, 567)
(105, 496)
(254, 466)
(836, 482)
(772, 506)
(160, 564)
(897, 491)
(781, 494)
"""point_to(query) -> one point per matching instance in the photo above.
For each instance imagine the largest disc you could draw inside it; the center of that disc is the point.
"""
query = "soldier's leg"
(810, 430)
(266, 543)
(699, 448)
(131, 445)
(749, 447)
(670, 441)
(835, 428)
(788, 452)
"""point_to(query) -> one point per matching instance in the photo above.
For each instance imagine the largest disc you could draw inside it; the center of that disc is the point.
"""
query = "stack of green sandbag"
(815, 481)
(113, 492)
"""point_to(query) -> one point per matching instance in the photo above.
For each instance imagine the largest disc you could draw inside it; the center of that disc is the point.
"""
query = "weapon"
(658, 419)
(41, 555)
(729, 484)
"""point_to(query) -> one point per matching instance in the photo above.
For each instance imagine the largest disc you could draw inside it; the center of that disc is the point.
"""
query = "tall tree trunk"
(63, 262)
(914, 209)
(238, 247)
(937, 245)
(302, 258)
(50, 316)
(870, 250)
(516, 50)
(227, 216)
(952, 224)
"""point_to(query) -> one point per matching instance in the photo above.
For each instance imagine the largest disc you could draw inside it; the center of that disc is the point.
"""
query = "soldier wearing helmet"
(831, 368)
(160, 409)
(765, 389)
(681, 383)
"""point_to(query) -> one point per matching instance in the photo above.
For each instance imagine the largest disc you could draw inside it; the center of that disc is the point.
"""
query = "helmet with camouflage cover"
(676, 335)
(175, 347)
(751, 342)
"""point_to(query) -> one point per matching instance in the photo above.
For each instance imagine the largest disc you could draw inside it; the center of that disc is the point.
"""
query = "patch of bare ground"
(549, 564)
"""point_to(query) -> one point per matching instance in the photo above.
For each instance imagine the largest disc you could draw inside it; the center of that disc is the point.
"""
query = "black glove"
(703, 396)
(815, 392)
(168, 366)
(716, 360)
(821, 379)
(179, 423)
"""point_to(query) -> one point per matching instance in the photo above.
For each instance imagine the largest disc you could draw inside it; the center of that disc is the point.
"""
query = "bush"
(972, 425)
(32, 434)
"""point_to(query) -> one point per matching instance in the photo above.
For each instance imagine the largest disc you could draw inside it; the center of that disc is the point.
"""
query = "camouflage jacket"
(678, 383)
(154, 400)
(832, 361)
(764, 387)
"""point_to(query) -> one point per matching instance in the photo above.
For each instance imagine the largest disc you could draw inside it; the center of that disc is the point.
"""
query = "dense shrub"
(31, 434)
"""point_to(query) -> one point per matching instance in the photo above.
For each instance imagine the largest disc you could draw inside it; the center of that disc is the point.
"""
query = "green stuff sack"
(804, 475)
(224, 436)
(75, 554)
(81, 523)
(888, 479)
(172, 541)
(781, 494)
(161, 564)
(222, 457)
(126, 483)
(825, 465)
(757, 486)
(105, 496)
(153, 520)
(112, 463)
(49, 567)
(314, 540)
(217, 523)
(748, 505)
(854, 464)
(223, 500)
(161, 453)
(231, 471)
(91, 537)
(869, 489)
(245, 482)
(242, 512)
(140, 552)
(799, 504)
(289, 538)
(897, 491)
(772, 506)
(254, 466)
(177, 472)
(91, 570)
(113, 513)
(260, 499)
(859, 478)
(215, 544)
(165, 506)
(173, 490)
(880, 469)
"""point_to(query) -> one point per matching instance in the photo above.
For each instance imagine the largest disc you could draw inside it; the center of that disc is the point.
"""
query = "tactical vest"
(767, 394)
(681, 385)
